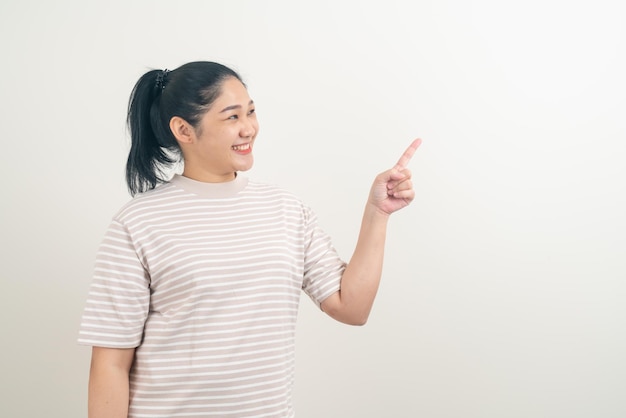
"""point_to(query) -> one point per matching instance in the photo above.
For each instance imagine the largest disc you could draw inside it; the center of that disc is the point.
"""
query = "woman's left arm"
(392, 190)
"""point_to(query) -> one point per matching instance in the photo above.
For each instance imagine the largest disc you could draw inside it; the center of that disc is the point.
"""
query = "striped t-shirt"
(204, 280)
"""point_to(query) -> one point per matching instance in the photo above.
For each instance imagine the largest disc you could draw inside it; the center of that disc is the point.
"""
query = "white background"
(505, 282)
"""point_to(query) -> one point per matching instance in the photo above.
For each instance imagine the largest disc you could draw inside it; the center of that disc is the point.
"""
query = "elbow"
(348, 313)
(354, 320)
(358, 323)
(348, 318)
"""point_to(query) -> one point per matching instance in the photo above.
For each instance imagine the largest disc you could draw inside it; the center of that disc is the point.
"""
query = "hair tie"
(161, 79)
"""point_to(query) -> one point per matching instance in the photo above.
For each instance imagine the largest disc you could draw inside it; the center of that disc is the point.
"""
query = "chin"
(245, 167)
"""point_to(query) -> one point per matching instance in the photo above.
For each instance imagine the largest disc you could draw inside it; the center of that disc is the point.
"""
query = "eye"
(251, 111)
(233, 117)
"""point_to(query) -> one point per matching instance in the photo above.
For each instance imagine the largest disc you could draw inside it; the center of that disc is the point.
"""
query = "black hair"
(186, 92)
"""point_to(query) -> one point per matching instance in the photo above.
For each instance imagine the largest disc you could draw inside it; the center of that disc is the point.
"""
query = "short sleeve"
(119, 297)
(323, 267)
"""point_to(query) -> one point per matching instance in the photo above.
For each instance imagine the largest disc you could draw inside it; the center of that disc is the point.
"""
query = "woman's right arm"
(108, 382)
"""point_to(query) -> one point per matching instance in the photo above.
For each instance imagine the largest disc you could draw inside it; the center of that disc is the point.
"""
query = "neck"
(207, 177)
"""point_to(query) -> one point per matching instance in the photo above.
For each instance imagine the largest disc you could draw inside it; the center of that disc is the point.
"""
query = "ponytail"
(158, 96)
(149, 141)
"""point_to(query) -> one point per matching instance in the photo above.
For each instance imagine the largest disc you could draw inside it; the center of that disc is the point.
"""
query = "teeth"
(241, 147)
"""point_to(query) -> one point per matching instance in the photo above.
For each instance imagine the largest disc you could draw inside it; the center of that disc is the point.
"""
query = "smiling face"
(222, 142)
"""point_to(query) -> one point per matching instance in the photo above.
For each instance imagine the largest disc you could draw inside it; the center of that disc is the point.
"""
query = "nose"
(248, 128)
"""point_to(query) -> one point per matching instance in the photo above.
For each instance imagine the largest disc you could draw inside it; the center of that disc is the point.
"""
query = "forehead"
(233, 92)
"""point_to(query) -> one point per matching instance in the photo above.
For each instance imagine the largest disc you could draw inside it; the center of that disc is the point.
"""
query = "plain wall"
(504, 284)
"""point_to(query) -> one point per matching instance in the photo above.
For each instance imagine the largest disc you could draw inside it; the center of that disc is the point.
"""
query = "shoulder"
(273, 192)
(281, 199)
(146, 202)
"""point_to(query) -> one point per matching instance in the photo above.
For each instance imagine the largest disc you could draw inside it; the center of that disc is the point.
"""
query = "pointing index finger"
(406, 157)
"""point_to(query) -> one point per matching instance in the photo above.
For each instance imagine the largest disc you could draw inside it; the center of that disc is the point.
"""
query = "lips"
(242, 148)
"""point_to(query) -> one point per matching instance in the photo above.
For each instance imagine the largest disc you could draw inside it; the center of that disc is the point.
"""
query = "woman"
(193, 304)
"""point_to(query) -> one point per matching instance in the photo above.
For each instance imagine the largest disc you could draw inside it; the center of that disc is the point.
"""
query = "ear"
(182, 130)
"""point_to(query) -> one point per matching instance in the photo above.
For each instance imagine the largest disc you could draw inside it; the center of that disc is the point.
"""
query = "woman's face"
(224, 137)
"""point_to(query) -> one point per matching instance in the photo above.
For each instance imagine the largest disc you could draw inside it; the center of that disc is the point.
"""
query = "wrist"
(375, 214)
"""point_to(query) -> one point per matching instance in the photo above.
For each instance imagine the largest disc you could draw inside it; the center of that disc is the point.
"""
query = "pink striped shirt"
(204, 279)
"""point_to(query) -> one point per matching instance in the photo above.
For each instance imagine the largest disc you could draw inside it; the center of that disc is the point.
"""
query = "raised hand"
(392, 190)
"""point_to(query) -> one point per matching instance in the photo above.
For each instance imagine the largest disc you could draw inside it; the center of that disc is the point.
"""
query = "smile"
(243, 147)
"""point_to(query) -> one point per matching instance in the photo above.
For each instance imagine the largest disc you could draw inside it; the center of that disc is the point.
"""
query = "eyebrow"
(233, 107)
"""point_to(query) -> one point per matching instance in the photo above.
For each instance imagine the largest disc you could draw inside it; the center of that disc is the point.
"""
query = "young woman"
(193, 304)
